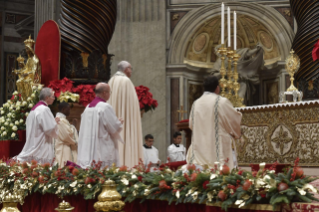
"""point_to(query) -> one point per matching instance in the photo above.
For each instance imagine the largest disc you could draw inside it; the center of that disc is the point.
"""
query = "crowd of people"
(111, 132)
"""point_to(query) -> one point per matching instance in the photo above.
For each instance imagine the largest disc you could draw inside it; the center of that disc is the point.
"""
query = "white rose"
(11, 108)
(40, 87)
(11, 125)
(24, 103)
(34, 87)
(2, 112)
(15, 93)
(26, 114)
(13, 135)
(21, 120)
(29, 99)
(18, 103)
(6, 124)
(2, 128)
(30, 105)
(13, 116)
(18, 108)
(33, 95)
(16, 122)
(2, 120)
(14, 128)
(4, 133)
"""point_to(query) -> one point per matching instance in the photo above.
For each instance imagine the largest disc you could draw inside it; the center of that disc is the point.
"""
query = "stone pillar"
(45, 10)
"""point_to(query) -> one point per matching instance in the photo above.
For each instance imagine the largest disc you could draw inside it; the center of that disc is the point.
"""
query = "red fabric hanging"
(315, 51)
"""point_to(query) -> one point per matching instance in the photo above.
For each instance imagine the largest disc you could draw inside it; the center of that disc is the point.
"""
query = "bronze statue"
(29, 73)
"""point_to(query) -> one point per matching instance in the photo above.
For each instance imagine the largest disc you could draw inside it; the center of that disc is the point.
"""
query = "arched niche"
(271, 22)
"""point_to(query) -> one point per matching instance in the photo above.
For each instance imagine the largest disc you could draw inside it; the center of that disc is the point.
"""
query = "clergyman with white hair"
(125, 103)
(41, 127)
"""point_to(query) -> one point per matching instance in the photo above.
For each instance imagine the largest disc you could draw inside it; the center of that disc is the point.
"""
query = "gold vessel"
(237, 101)
(10, 203)
(64, 207)
(109, 199)
(292, 66)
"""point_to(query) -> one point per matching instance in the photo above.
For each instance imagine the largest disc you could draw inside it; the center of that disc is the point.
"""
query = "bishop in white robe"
(176, 151)
(126, 106)
(66, 144)
(41, 128)
(99, 131)
(214, 123)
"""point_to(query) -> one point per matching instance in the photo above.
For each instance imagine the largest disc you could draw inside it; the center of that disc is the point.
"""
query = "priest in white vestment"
(126, 105)
(66, 147)
(214, 123)
(41, 128)
(99, 131)
(176, 151)
(150, 153)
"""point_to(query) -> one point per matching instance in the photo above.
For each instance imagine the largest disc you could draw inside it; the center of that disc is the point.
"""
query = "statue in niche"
(273, 95)
(249, 64)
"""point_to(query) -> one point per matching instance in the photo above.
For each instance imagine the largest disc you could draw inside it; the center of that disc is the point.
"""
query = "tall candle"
(223, 22)
(228, 26)
(235, 31)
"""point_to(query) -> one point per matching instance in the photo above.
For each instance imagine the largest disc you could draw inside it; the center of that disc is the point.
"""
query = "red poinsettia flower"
(145, 98)
(205, 184)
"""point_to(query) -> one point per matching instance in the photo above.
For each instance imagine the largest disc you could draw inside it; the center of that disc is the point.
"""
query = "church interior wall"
(13, 12)
(139, 38)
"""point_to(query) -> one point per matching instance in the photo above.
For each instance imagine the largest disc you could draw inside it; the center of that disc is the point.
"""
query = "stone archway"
(275, 23)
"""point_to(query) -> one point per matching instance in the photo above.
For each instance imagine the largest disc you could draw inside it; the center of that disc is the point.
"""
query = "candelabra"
(229, 95)
(223, 82)
(237, 100)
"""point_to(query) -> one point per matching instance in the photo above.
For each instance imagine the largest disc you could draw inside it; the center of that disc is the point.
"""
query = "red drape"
(11, 148)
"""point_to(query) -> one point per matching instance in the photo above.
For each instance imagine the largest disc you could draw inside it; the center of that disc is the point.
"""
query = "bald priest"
(99, 131)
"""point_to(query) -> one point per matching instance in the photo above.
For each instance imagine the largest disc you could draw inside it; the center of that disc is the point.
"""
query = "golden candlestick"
(229, 95)
(223, 82)
(238, 101)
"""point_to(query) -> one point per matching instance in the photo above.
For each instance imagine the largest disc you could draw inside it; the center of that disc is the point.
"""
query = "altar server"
(41, 127)
(214, 122)
(176, 151)
(150, 153)
(126, 105)
(99, 131)
(66, 144)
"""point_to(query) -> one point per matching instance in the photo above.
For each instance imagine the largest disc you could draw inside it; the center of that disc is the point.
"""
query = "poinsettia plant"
(145, 98)
(65, 88)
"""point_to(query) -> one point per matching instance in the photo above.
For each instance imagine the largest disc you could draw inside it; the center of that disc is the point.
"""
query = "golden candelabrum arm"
(229, 95)
(238, 101)
(223, 82)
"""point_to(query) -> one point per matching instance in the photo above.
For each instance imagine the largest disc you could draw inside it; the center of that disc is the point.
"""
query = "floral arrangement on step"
(14, 113)
(145, 98)
(216, 185)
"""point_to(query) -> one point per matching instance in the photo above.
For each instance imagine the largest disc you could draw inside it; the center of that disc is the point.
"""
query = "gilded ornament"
(10, 202)
(109, 199)
(292, 66)
(64, 207)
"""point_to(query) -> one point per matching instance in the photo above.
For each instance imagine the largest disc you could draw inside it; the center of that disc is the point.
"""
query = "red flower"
(145, 98)
(205, 184)
(140, 178)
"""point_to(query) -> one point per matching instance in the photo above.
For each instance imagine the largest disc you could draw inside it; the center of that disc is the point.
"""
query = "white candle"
(223, 22)
(235, 31)
(228, 26)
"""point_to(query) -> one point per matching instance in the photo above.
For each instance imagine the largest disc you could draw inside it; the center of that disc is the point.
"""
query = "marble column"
(45, 10)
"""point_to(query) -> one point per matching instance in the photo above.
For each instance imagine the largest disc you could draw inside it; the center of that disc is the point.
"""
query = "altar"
(279, 132)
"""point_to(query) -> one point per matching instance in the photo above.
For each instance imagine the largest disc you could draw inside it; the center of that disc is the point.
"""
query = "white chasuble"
(126, 106)
(41, 128)
(150, 155)
(213, 120)
(99, 136)
(176, 152)
(66, 144)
